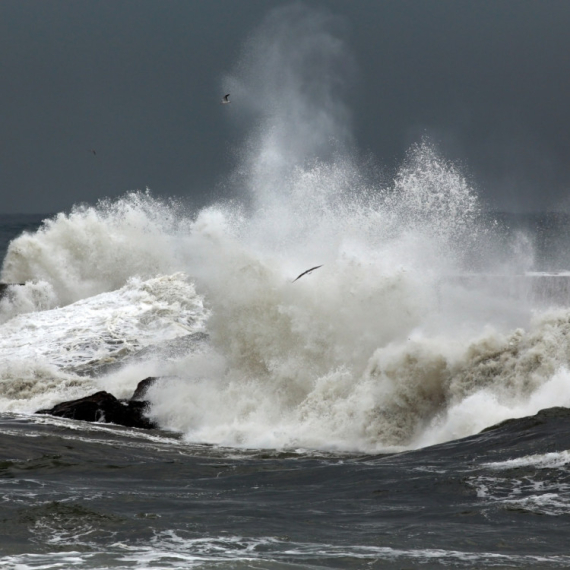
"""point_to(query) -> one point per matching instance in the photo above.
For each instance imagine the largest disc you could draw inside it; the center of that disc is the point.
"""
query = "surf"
(380, 349)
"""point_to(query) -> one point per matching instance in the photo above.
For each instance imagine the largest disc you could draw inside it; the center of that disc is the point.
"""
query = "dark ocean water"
(82, 496)
(97, 496)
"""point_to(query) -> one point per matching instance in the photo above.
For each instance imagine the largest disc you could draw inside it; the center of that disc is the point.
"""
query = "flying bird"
(93, 151)
(306, 272)
(226, 99)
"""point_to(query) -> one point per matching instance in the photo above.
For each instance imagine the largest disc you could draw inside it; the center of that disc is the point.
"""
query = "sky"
(140, 81)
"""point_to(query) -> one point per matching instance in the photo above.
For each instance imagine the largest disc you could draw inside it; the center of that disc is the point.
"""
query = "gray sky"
(140, 81)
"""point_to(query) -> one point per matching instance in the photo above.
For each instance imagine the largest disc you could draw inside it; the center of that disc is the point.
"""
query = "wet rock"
(142, 388)
(104, 408)
(529, 422)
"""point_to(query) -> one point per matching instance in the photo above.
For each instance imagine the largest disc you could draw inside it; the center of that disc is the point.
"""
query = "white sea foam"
(171, 549)
(550, 496)
(41, 353)
(94, 250)
(540, 461)
(379, 348)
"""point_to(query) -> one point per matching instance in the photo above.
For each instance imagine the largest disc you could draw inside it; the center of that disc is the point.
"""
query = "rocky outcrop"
(529, 422)
(142, 388)
(105, 408)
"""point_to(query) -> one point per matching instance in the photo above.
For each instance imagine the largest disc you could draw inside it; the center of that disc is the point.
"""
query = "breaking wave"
(380, 348)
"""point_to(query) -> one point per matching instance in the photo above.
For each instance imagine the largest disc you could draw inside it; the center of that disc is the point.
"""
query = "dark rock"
(142, 388)
(105, 408)
(529, 422)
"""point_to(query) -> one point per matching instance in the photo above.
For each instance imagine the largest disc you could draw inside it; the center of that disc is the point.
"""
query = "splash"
(383, 347)
(289, 83)
(93, 250)
(53, 355)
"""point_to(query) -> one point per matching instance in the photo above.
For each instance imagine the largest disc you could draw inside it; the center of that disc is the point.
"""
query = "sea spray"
(34, 295)
(44, 354)
(339, 358)
(363, 353)
(94, 249)
(289, 86)
(383, 347)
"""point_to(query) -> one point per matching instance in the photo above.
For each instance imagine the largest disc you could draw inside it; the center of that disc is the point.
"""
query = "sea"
(358, 364)
(403, 405)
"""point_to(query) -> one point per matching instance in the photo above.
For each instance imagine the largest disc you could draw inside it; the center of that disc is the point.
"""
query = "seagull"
(226, 99)
(306, 272)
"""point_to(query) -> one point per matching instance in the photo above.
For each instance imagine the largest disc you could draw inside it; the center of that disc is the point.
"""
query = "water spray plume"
(386, 349)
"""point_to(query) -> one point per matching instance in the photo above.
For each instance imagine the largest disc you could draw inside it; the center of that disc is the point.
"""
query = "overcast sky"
(139, 81)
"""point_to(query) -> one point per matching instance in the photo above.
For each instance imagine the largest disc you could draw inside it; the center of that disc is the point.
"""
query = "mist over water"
(378, 349)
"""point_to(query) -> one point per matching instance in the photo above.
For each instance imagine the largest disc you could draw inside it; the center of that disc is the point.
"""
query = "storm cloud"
(139, 82)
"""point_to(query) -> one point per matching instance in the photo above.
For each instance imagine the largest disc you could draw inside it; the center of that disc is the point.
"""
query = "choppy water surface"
(93, 496)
